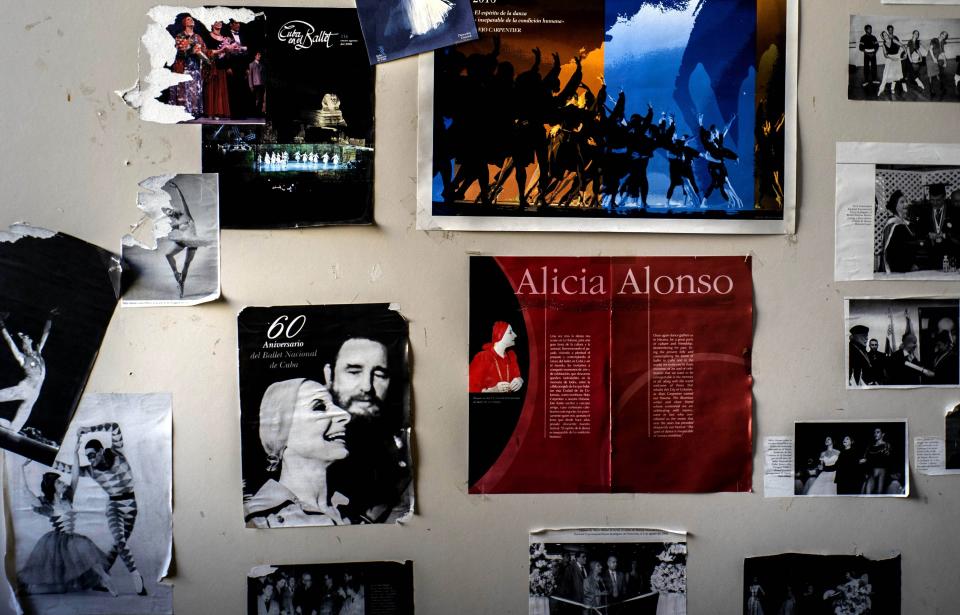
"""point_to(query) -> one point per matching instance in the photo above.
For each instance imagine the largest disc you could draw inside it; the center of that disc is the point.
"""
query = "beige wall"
(70, 160)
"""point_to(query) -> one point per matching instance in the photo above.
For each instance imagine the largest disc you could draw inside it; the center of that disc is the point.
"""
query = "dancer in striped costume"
(110, 468)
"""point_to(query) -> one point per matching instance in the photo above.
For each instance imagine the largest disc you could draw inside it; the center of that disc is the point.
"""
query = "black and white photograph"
(93, 529)
(855, 458)
(608, 570)
(798, 584)
(904, 59)
(952, 438)
(898, 211)
(353, 588)
(901, 343)
(172, 256)
(324, 415)
(395, 29)
(57, 295)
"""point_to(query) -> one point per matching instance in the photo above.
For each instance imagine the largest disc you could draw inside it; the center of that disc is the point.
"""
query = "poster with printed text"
(618, 115)
(598, 374)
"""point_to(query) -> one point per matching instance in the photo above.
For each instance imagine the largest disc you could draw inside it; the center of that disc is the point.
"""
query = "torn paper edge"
(8, 597)
(153, 186)
(606, 535)
(143, 96)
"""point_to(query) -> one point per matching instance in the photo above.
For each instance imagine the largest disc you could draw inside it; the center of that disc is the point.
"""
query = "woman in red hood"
(494, 369)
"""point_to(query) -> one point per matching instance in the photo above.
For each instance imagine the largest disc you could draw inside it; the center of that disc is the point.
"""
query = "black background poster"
(277, 344)
(319, 100)
(67, 282)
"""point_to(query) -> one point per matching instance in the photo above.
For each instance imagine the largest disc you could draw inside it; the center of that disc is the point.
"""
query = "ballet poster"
(57, 295)
(173, 255)
(399, 28)
(608, 570)
(807, 583)
(286, 99)
(616, 115)
(324, 415)
(898, 211)
(351, 588)
(93, 531)
(601, 375)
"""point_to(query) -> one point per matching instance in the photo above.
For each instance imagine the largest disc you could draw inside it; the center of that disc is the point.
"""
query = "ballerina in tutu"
(182, 237)
(62, 561)
(425, 15)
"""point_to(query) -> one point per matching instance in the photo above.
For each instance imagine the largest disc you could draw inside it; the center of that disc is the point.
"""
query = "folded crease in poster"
(617, 360)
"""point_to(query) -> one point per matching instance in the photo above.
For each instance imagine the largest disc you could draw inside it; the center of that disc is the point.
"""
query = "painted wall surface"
(71, 158)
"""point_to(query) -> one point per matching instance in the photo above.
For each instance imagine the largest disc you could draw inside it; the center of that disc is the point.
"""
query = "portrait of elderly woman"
(302, 432)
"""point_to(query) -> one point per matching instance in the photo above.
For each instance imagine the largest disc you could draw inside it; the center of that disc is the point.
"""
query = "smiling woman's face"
(315, 431)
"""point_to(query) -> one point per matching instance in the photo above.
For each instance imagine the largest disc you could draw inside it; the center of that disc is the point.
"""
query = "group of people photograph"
(911, 355)
(225, 64)
(851, 458)
(575, 145)
(893, 59)
(596, 578)
(918, 234)
(806, 584)
(301, 590)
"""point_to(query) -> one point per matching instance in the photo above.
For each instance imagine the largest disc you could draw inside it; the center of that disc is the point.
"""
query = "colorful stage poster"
(324, 415)
(286, 99)
(395, 29)
(93, 530)
(598, 374)
(57, 295)
(616, 115)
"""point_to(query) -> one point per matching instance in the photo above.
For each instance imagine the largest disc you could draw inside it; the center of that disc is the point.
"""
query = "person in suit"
(941, 224)
(903, 246)
(876, 363)
(571, 586)
(616, 582)
(237, 65)
(904, 366)
(943, 362)
(860, 367)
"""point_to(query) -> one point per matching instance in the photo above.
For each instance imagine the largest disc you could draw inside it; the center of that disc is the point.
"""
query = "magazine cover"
(619, 115)
(324, 415)
(601, 374)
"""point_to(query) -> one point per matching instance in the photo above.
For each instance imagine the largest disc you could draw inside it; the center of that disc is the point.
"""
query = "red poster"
(598, 374)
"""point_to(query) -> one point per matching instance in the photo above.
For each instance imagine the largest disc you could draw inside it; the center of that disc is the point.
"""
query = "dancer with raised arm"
(182, 237)
(62, 561)
(109, 467)
(717, 155)
(30, 358)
